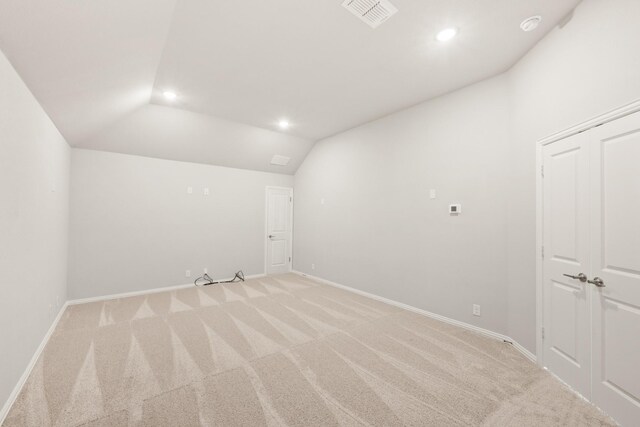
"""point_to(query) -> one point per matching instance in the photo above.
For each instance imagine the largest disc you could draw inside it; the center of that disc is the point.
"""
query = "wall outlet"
(313, 266)
(432, 194)
(189, 190)
(206, 270)
(476, 309)
(205, 191)
(187, 273)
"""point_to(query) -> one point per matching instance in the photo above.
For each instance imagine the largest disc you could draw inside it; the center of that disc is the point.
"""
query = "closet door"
(615, 259)
(567, 335)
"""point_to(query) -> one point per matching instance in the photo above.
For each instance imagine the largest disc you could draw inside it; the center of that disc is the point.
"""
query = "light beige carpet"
(278, 351)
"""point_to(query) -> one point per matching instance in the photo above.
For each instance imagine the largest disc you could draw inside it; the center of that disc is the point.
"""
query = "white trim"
(126, 294)
(32, 363)
(145, 292)
(539, 260)
(526, 353)
(266, 225)
(486, 332)
(601, 119)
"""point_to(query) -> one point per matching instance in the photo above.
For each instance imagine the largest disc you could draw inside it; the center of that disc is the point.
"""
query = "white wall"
(134, 227)
(34, 200)
(378, 230)
(587, 68)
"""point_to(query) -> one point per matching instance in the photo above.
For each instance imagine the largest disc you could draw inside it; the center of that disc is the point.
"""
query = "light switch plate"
(476, 309)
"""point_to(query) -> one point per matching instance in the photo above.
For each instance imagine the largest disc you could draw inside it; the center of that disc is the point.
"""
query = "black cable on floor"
(206, 280)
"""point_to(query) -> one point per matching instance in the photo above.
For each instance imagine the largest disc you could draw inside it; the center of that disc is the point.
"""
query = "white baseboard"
(413, 309)
(526, 353)
(145, 292)
(23, 379)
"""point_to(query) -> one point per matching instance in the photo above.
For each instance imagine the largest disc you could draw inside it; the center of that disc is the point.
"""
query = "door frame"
(266, 224)
(601, 119)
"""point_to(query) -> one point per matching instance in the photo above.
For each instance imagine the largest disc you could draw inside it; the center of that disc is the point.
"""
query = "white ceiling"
(96, 65)
(173, 134)
(88, 62)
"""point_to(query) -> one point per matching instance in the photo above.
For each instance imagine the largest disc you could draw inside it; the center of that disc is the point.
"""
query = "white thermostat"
(455, 209)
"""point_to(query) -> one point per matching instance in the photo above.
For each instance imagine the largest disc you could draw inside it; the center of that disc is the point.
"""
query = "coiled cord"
(206, 280)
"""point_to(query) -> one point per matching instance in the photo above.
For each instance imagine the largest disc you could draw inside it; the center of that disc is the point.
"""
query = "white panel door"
(566, 253)
(615, 255)
(278, 233)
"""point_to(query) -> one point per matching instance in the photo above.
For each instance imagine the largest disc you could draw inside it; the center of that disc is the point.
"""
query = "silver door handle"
(582, 277)
(597, 281)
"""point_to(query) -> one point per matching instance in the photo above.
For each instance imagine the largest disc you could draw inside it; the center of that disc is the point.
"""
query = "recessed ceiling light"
(169, 95)
(447, 34)
(531, 23)
(284, 124)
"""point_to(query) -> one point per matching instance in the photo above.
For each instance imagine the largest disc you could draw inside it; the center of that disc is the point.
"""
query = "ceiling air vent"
(279, 160)
(373, 12)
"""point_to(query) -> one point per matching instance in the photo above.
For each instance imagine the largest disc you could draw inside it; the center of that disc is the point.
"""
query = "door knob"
(582, 277)
(271, 236)
(597, 281)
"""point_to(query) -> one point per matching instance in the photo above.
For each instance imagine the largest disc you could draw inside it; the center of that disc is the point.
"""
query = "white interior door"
(566, 225)
(615, 255)
(279, 225)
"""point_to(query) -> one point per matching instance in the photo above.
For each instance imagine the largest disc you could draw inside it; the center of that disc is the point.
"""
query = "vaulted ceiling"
(99, 67)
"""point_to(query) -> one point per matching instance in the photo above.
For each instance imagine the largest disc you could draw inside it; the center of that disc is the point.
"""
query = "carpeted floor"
(277, 351)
